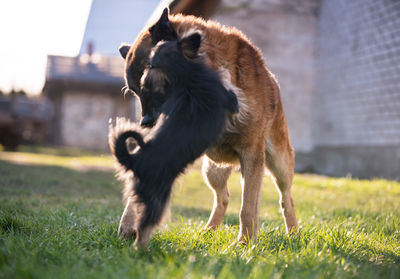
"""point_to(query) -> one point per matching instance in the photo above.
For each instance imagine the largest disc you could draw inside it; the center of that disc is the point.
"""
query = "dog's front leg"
(216, 178)
(252, 168)
(127, 224)
(143, 236)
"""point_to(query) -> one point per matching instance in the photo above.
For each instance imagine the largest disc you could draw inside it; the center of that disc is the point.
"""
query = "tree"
(14, 92)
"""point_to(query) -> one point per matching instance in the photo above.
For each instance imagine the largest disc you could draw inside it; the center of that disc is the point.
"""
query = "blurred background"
(337, 61)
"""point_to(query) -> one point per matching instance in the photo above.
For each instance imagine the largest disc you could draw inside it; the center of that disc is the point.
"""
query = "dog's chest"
(224, 151)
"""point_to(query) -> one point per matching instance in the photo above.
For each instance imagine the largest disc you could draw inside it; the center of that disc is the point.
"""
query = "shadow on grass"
(187, 212)
(62, 182)
(10, 223)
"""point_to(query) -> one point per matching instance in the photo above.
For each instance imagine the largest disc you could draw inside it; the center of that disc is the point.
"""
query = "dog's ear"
(123, 50)
(163, 29)
(190, 45)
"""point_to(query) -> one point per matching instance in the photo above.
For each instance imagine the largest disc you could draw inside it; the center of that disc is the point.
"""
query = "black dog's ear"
(123, 50)
(163, 29)
(190, 45)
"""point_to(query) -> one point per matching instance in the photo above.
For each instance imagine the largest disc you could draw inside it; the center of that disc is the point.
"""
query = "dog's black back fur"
(194, 112)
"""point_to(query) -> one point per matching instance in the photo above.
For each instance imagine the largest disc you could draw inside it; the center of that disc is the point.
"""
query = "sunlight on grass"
(71, 158)
(60, 209)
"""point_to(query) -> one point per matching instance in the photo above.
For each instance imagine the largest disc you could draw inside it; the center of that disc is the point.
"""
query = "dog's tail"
(117, 141)
(121, 152)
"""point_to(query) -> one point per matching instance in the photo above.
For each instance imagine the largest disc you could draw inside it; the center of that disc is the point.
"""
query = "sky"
(32, 29)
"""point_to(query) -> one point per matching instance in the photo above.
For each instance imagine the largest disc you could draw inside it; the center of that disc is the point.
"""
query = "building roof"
(112, 22)
(109, 24)
(84, 68)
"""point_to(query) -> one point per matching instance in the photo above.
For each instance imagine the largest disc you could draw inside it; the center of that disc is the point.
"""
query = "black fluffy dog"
(194, 107)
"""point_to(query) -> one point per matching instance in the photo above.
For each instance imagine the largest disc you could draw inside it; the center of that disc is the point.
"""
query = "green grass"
(59, 214)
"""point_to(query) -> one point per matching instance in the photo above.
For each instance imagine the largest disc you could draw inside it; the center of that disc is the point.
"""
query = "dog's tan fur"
(256, 138)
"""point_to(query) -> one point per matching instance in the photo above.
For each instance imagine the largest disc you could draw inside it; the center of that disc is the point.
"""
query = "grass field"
(60, 208)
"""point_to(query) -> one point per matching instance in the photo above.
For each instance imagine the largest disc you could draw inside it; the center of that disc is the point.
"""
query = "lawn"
(60, 208)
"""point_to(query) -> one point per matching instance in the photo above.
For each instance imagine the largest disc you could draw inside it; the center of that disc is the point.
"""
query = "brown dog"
(257, 138)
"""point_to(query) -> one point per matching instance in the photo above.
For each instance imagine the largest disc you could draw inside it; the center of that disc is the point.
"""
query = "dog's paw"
(212, 226)
(126, 232)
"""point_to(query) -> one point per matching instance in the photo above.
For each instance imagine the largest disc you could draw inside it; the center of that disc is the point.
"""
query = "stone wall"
(357, 100)
(85, 118)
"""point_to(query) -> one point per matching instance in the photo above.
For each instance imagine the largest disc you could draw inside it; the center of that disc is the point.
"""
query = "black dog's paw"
(126, 232)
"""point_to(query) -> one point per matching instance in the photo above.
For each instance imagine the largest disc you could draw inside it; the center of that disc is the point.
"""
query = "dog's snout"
(147, 121)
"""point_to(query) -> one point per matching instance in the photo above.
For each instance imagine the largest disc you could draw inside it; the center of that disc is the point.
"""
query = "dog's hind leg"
(280, 162)
(216, 178)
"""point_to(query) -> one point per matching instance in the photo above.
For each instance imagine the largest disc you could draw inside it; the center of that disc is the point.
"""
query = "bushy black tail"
(117, 137)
